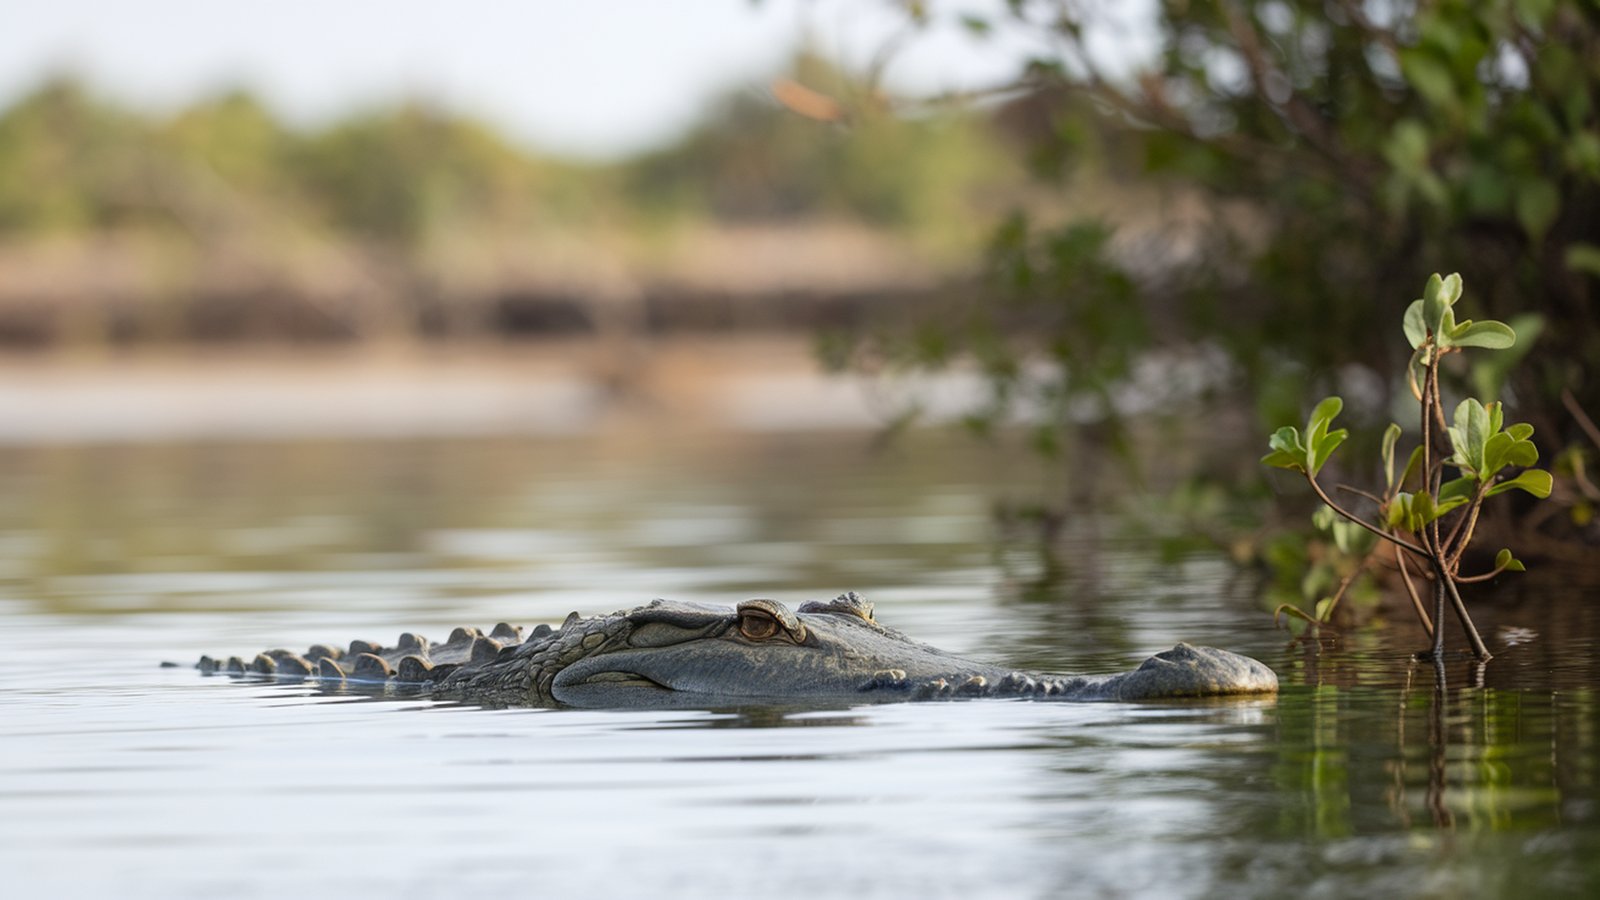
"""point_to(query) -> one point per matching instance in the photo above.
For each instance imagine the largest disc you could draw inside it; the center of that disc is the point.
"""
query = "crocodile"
(675, 654)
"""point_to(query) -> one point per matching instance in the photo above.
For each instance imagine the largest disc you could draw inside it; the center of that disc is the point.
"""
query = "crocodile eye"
(757, 626)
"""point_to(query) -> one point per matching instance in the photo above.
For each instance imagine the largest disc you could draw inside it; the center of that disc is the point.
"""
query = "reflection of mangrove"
(1448, 752)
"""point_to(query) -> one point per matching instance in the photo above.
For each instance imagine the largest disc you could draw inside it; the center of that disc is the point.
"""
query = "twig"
(1411, 590)
(1464, 527)
(1584, 422)
(1392, 538)
(1359, 493)
(1487, 576)
(1344, 585)
(1478, 648)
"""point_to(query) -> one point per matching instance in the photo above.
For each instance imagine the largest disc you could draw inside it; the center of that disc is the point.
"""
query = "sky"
(591, 78)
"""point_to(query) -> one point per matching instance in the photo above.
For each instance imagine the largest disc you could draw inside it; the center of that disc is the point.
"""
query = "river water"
(121, 778)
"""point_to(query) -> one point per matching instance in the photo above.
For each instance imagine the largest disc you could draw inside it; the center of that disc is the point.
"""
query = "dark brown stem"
(1464, 528)
(1411, 590)
(1479, 649)
(1438, 404)
(1438, 616)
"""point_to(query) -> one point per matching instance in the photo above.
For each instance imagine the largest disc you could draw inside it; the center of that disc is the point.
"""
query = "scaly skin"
(680, 654)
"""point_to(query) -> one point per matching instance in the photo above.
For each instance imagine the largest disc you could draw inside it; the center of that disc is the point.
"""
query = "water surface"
(119, 778)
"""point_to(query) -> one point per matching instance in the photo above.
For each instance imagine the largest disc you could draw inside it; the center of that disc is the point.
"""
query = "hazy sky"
(593, 77)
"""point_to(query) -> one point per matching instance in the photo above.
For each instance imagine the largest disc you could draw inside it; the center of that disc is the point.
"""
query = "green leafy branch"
(1489, 459)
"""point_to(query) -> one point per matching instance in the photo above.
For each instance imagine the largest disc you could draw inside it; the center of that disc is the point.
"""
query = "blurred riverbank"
(406, 390)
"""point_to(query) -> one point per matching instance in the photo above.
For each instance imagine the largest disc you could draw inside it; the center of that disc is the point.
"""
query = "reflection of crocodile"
(677, 654)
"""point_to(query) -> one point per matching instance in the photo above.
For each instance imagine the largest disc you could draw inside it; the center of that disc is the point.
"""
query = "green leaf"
(1535, 481)
(1506, 449)
(1433, 305)
(1421, 511)
(1456, 491)
(1287, 451)
(1399, 510)
(1390, 436)
(1412, 465)
(1584, 258)
(1325, 447)
(1488, 334)
(1429, 77)
(1324, 413)
(1415, 328)
(1504, 560)
(1324, 609)
(1289, 609)
(1320, 443)
(1468, 435)
(1447, 329)
(1538, 203)
(1450, 289)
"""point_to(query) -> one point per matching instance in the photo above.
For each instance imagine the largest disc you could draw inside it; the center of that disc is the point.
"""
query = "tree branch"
(1391, 538)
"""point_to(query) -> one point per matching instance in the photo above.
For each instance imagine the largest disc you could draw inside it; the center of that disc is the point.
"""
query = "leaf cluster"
(1489, 458)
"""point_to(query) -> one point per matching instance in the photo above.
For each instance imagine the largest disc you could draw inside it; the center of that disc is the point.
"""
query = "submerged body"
(680, 654)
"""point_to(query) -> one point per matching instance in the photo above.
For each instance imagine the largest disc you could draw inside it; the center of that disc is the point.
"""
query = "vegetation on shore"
(1336, 149)
(222, 221)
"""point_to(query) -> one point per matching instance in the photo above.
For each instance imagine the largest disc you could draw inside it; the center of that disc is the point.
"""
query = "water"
(119, 778)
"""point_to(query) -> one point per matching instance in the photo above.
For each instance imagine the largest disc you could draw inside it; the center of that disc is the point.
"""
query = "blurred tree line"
(1342, 150)
(403, 219)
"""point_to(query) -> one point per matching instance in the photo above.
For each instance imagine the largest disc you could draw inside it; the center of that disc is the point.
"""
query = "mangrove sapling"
(1435, 522)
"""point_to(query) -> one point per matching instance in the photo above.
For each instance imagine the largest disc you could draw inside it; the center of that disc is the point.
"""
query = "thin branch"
(1465, 526)
(1295, 113)
(1359, 493)
(1438, 405)
(1487, 576)
(1478, 648)
(1584, 422)
(1344, 585)
(1411, 590)
(1392, 538)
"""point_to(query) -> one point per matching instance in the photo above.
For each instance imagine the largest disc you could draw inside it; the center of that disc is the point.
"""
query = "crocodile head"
(677, 653)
